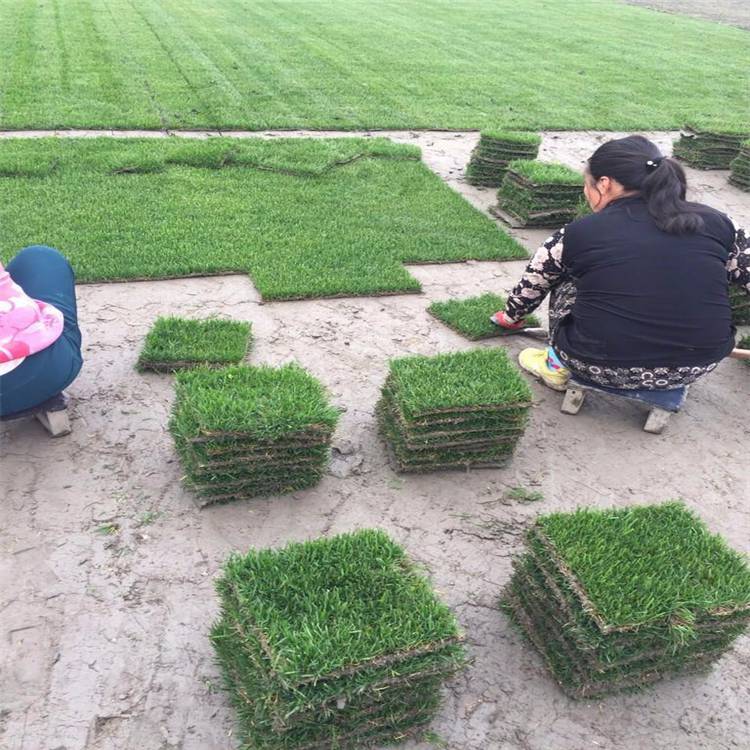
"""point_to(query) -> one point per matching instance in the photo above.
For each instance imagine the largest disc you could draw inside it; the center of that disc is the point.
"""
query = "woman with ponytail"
(639, 288)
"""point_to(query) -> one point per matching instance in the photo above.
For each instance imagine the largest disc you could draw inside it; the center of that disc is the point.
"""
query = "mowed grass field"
(304, 217)
(553, 64)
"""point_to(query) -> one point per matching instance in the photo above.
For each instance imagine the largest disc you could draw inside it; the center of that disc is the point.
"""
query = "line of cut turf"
(304, 217)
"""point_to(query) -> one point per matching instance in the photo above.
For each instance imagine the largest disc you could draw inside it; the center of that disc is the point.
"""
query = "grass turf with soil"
(740, 166)
(305, 218)
(705, 145)
(495, 150)
(187, 64)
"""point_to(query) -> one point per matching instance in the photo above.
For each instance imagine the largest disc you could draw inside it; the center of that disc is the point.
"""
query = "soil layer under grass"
(304, 217)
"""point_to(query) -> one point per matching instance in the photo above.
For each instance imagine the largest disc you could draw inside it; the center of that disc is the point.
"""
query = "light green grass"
(546, 173)
(176, 343)
(346, 64)
(306, 218)
(512, 137)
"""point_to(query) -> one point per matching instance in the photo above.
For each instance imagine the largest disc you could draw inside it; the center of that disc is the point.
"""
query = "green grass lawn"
(269, 63)
(306, 218)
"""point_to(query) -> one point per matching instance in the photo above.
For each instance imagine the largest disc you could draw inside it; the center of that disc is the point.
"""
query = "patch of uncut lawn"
(188, 63)
(304, 217)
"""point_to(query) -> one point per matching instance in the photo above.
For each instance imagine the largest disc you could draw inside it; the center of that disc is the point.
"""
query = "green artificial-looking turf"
(175, 343)
(546, 173)
(332, 603)
(305, 217)
(648, 563)
(471, 317)
(186, 63)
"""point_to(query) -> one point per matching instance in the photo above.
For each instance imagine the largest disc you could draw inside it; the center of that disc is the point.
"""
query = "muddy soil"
(732, 12)
(107, 566)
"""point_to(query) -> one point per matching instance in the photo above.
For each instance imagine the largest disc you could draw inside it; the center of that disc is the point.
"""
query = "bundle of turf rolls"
(539, 194)
(740, 167)
(463, 410)
(333, 643)
(710, 146)
(618, 599)
(244, 431)
(495, 150)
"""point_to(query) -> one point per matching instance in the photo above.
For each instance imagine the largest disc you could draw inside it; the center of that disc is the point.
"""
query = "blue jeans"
(44, 274)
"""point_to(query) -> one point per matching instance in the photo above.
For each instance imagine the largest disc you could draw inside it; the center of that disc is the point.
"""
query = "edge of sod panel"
(471, 317)
(555, 531)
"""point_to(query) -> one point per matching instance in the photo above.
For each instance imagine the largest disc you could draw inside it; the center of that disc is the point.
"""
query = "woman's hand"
(503, 321)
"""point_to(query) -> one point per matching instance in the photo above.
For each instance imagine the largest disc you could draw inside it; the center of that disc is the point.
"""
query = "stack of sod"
(740, 167)
(711, 146)
(471, 317)
(452, 411)
(739, 299)
(495, 150)
(248, 431)
(332, 643)
(538, 194)
(618, 599)
(176, 344)
(744, 343)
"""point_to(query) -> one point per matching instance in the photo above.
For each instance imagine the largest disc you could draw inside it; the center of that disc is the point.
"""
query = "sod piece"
(740, 166)
(176, 344)
(744, 343)
(304, 217)
(618, 599)
(464, 410)
(471, 317)
(332, 643)
(495, 150)
(739, 299)
(243, 431)
(707, 145)
(539, 194)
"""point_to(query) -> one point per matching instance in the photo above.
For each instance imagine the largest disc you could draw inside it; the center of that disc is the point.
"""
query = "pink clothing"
(26, 325)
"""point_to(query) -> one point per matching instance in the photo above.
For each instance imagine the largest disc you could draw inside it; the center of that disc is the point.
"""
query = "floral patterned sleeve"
(544, 272)
(738, 265)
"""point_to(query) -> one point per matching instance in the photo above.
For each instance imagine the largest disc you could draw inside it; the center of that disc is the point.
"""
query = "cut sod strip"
(336, 642)
(495, 150)
(304, 217)
(177, 344)
(740, 167)
(453, 411)
(471, 317)
(711, 146)
(539, 194)
(244, 432)
(739, 299)
(617, 599)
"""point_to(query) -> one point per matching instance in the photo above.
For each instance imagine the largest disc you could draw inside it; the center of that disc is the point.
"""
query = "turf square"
(711, 145)
(177, 344)
(338, 640)
(495, 150)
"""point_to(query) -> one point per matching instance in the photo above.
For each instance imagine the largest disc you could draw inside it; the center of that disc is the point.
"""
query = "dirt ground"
(732, 12)
(107, 566)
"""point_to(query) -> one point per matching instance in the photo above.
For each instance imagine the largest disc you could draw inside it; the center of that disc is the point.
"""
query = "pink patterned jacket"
(26, 325)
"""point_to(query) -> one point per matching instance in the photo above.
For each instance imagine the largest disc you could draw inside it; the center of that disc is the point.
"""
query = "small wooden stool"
(52, 414)
(662, 404)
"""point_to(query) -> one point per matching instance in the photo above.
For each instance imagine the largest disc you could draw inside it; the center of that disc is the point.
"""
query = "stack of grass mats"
(618, 599)
(244, 432)
(495, 150)
(740, 167)
(464, 410)
(739, 299)
(710, 146)
(471, 317)
(744, 343)
(333, 643)
(538, 194)
(177, 344)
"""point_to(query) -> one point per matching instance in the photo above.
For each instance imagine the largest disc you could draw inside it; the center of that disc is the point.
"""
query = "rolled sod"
(453, 411)
(245, 432)
(539, 194)
(471, 317)
(177, 344)
(336, 642)
(618, 599)
(740, 166)
(495, 150)
(711, 146)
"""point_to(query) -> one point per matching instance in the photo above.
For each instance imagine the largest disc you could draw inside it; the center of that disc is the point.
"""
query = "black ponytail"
(636, 163)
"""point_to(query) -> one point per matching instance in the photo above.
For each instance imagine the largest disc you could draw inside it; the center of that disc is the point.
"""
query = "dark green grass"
(476, 379)
(471, 317)
(185, 63)
(649, 563)
(306, 218)
(263, 403)
(546, 173)
(744, 343)
(740, 302)
(176, 343)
